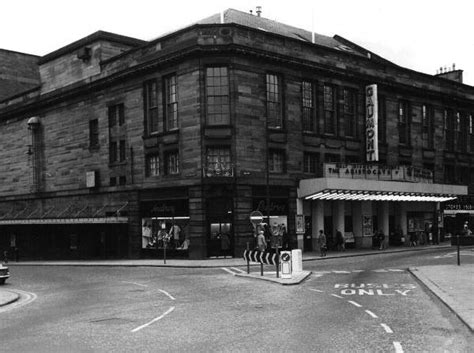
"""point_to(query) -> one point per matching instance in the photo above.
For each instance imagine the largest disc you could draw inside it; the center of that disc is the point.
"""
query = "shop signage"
(378, 172)
(300, 223)
(371, 124)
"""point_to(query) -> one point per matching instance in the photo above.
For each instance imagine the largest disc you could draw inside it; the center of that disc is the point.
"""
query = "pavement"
(452, 284)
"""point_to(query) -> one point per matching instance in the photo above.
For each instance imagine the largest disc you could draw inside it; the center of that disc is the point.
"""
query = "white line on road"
(344, 272)
(25, 298)
(154, 320)
(395, 270)
(337, 296)
(398, 347)
(135, 283)
(238, 269)
(227, 270)
(167, 294)
(316, 290)
(387, 328)
(371, 314)
(355, 304)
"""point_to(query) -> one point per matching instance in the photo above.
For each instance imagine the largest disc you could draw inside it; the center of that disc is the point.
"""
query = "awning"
(69, 214)
(376, 190)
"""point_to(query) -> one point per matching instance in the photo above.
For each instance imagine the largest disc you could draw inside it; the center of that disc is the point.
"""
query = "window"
(449, 129)
(122, 180)
(172, 163)
(382, 122)
(403, 123)
(153, 165)
(217, 96)
(276, 161)
(349, 112)
(218, 161)
(309, 106)
(116, 115)
(471, 132)
(113, 181)
(330, 123)
(332, 158)
(171, 103)
(427, 117)
(449, 174)
(462, 126)
(113, 152)
(151, 107)
(94, 133)
(311, 161)
(274, 102)
(122, 150)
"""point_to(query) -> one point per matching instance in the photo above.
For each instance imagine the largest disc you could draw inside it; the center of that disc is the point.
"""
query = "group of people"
(277, 233)
(167, 235)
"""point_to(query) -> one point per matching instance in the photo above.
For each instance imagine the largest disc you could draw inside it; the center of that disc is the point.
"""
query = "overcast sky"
(422, 35)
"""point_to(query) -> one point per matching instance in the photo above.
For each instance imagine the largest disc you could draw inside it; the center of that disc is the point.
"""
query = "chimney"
(450, 74)
(259, 11)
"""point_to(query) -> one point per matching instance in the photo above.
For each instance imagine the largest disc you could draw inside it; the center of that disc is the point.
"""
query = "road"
(358, 304)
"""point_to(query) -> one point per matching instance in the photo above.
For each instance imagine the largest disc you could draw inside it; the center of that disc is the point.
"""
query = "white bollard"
(296, 260)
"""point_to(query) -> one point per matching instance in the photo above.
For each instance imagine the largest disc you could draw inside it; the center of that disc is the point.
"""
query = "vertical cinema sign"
(371, 124)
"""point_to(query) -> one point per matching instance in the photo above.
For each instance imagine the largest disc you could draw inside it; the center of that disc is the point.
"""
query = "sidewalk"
(452, 284)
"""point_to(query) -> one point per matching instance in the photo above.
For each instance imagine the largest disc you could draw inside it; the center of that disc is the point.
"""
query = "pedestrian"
(466, 231)
(412, 239)
(323, 248)
(5, 256)
(339, 241)
(381, 237)
(261, 242)
(225, 244)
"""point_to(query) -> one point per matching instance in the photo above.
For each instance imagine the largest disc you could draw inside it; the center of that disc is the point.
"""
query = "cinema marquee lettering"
(371, 124)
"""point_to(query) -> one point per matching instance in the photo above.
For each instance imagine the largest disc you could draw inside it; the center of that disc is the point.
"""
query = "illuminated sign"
(371, 124)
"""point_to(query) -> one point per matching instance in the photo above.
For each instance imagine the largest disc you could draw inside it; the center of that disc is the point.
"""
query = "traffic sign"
(256, 217)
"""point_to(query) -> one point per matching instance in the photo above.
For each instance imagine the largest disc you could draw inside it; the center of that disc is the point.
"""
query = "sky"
(421, 35)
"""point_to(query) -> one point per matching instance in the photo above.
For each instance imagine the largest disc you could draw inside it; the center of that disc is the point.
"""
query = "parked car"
(4, 274)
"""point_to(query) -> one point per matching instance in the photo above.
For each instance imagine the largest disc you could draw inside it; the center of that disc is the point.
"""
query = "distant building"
(112, 147)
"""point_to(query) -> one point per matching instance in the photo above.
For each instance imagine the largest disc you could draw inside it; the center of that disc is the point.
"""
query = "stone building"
(122, 146)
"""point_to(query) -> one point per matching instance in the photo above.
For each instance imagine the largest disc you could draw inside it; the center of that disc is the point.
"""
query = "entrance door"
(220, 240)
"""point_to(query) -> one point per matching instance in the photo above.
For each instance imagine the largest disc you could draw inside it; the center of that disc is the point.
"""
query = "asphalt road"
(358, 304)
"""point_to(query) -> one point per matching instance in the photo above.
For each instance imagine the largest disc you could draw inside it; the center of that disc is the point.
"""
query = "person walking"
(339, 241)
(381, 237)
(323, 248)
(261, 242)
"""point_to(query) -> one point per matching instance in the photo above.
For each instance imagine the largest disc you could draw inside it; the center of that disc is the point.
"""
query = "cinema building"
(112, 147)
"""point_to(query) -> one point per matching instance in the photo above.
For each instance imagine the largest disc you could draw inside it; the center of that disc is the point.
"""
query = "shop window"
(172, 163)
(349, 112)
(309, 106)
(218, 162)
(274, 101)
(311, 162)
(427, 116)
(93, 133)
(330, 116)
(217, 96)
(116, 115)
(404, 123)
(171, 102)
(382, 121)
(150, 96)
(276, 161)
(152, 165)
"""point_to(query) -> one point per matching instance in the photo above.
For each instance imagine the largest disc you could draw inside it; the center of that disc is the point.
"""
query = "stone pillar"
(197, 224)
(134, 226)
(299, 235)
(317, 218)
(365, 241)
(357, 222)
(384, 221)
(403, 221)
(339, 217)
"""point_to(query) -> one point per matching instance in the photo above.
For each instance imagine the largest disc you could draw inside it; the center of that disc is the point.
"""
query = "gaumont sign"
(378, 172)
(371, 124)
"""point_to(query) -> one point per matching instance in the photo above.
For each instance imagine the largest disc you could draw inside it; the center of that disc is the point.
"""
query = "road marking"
(371, 314)
(398, 347)
(354, 303)
(166, 293)
(229, 271)
(154, 320)
(341, 271)
(238, 269)
(386, 328)
(25, 299)
(395, 270)
(337, 296)
(316, 290)
(135, 283)
(358, 271)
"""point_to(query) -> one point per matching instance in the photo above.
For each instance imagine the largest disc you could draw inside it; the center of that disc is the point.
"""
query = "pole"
(459, 255)
(164, 249)
(261, 268)
(277, 261)
(248, 259)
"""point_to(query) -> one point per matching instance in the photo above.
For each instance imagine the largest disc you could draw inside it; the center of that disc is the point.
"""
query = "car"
(4, 273)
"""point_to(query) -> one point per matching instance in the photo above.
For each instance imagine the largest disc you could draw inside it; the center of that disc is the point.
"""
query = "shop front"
(361, 200)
